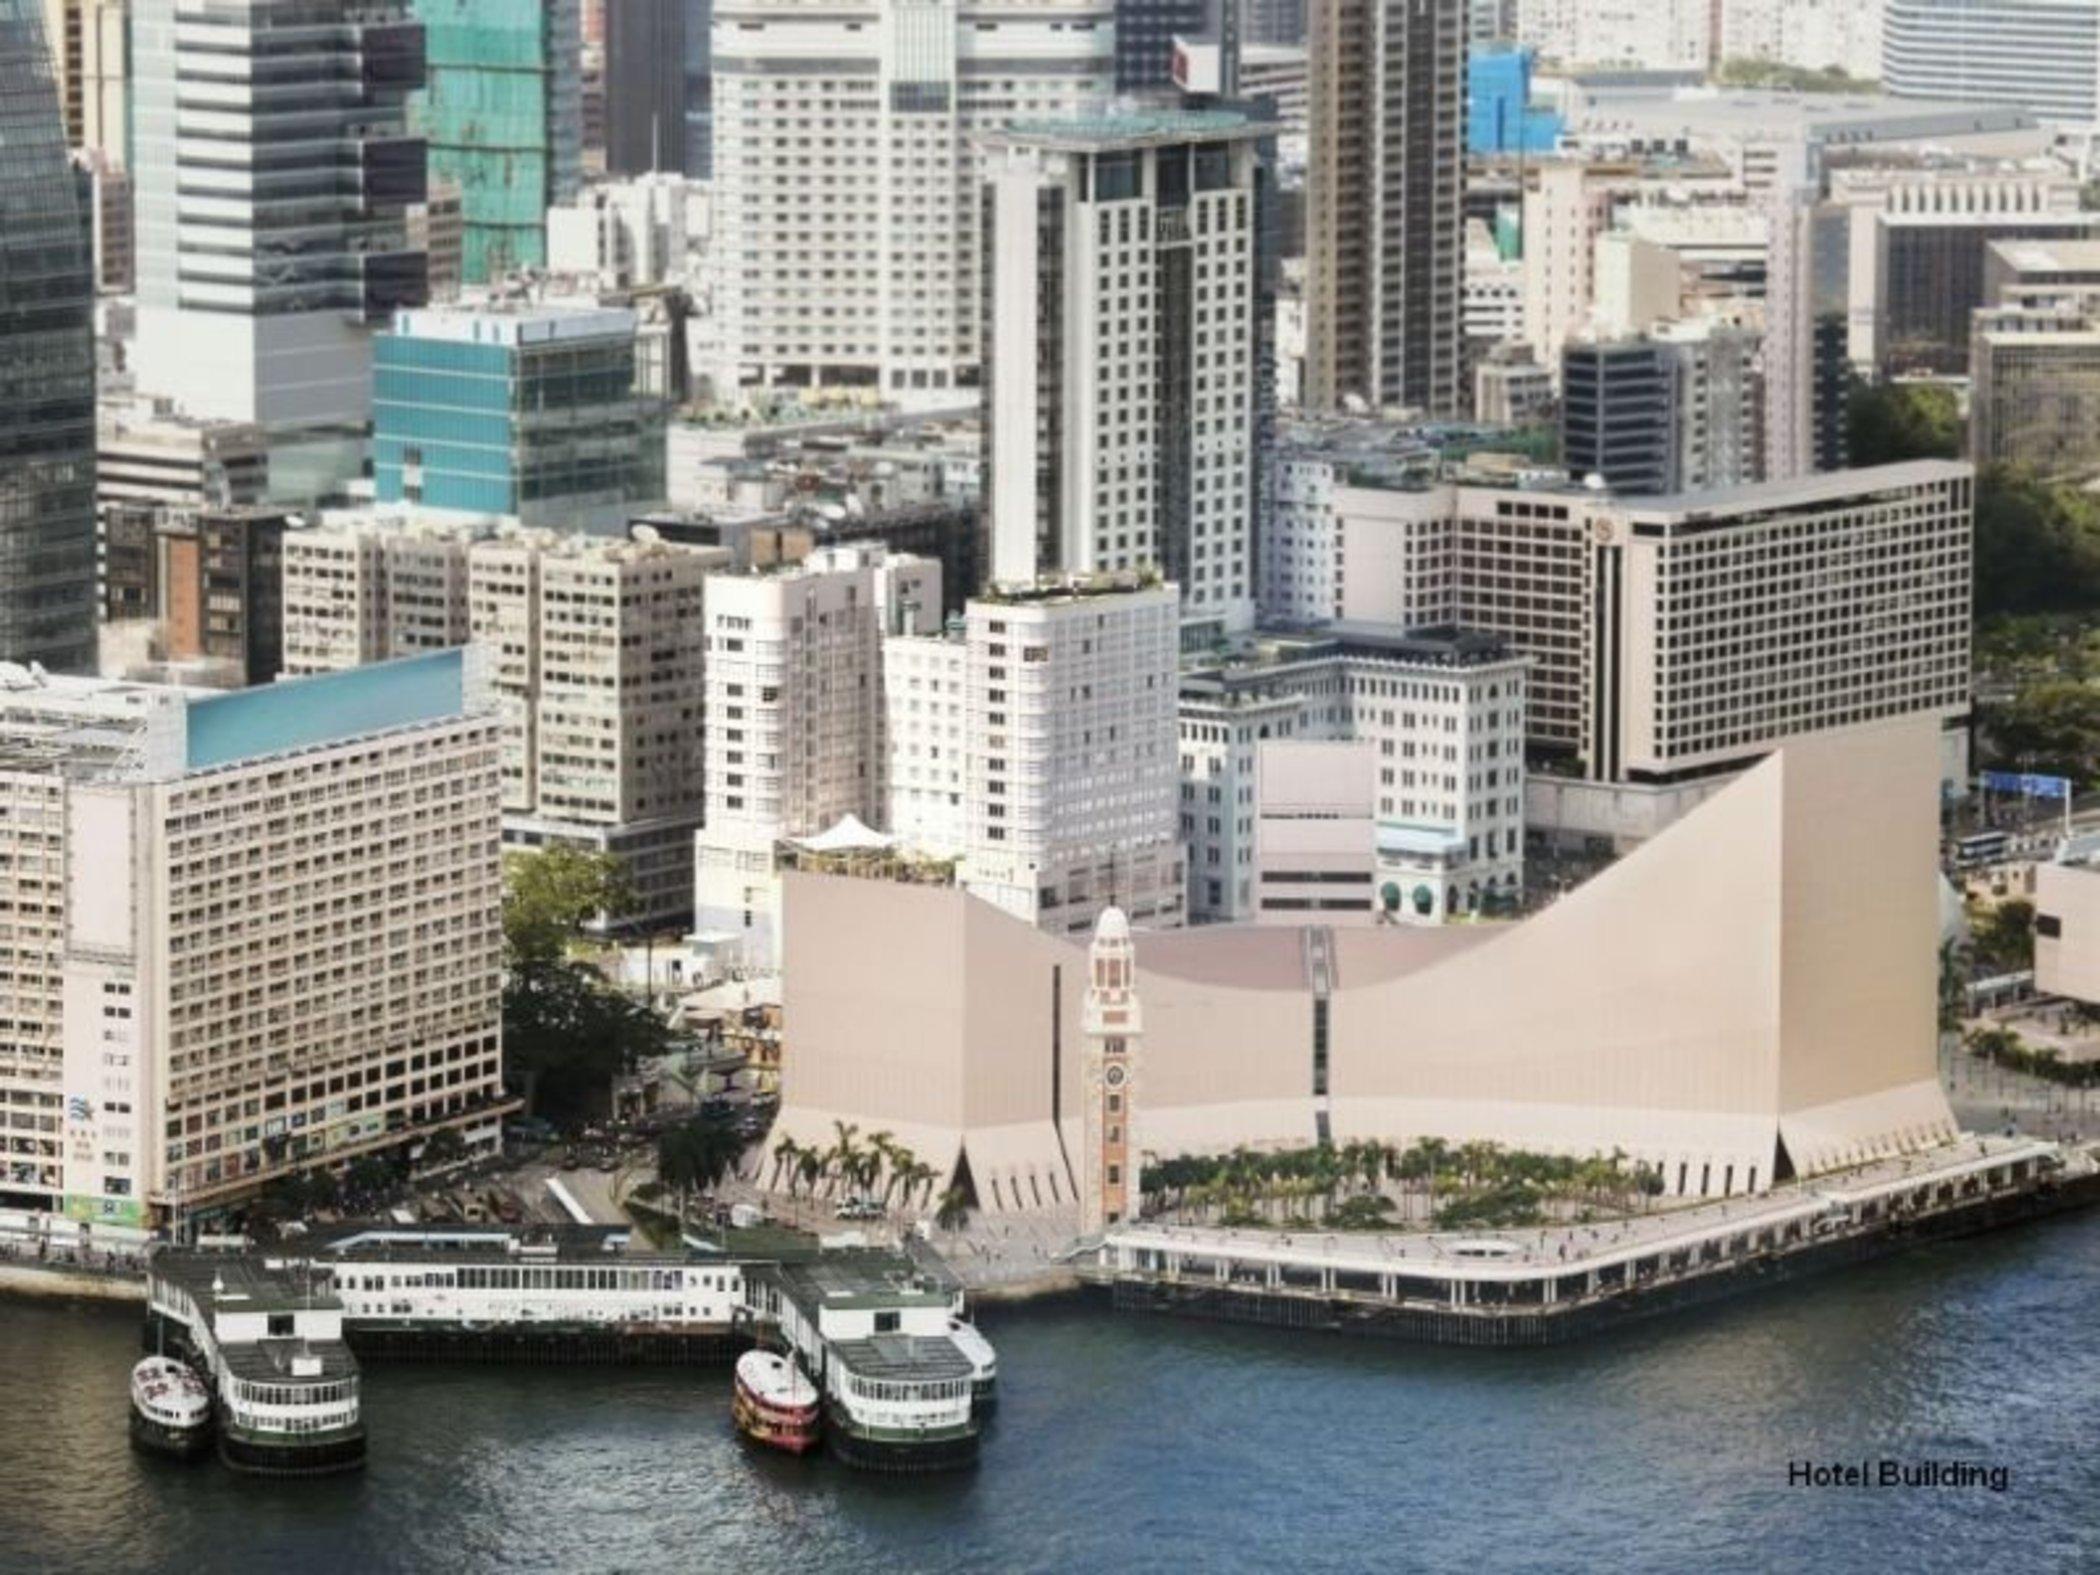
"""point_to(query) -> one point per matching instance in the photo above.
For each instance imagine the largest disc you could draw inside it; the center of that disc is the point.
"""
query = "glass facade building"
(532, 413)
(503, 113)
(47, 367)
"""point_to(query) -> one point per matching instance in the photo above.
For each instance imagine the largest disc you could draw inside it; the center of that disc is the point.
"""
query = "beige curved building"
(1749, 995)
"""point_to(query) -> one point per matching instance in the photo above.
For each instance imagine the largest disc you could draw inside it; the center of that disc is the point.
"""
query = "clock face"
(1114, 1077)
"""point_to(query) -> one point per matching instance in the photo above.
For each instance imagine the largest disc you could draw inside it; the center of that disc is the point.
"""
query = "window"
(887, 1322)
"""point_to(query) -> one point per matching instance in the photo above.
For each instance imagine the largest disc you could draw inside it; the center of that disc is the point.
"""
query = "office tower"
(1385, 243)
(795, 721)
(1675, 410)
(47, 368)
(846, 193)
(1126, 337)
(1438, 714)
(645, 78)
(2042, 54)
(253, 933)
(105, 197)
(527, 411)
(258, 303)
(1145, 34)
(1071, 792)
(594, 648)
(1500, 117)
(503, 112)
(147, 453)
(2034, 379)
(1279, 22)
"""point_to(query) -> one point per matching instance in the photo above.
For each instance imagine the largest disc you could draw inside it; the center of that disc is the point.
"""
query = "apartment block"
(249, 934)
(594, 649)
(209, 582)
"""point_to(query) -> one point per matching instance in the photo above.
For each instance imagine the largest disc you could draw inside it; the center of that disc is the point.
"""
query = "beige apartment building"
(245, 934)
(594, 648)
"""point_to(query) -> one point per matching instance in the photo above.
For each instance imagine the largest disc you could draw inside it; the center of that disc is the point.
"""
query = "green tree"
(550, 895)
(1887, 422)
(445, 1147)
(954, 1212)
(568, 1035)
(2037, 546)
(2003, 935)
(695, 1156)
(2051, 727)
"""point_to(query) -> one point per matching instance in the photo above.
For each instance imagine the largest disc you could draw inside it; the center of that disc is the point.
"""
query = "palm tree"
(785, 1154)
(845, 1153)
(954, 1211)
(809, 1164)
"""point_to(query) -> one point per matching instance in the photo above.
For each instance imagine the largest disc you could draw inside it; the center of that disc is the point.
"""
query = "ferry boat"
(170, 1408)
(896, 1364)
(774, 1404)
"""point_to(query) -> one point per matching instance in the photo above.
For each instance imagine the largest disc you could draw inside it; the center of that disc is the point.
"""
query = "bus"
(1981, 847)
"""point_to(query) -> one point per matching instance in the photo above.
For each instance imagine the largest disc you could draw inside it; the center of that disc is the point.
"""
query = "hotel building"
(846, 195)
(247, 934)
(1676, 639)
(1128, 325)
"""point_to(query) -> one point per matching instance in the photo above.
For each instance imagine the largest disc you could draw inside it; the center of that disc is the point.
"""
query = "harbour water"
(1131, 1443)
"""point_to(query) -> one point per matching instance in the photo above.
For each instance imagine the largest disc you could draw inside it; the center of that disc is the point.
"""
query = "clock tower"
(1112, 1024)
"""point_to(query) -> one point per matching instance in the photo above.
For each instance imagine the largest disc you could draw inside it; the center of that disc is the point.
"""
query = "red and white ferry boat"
(774, 1404)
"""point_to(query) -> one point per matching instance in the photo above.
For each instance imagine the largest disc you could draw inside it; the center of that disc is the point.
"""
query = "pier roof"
(921, 1357)
(289, 1361)
(861, 1278)
(239, 1282)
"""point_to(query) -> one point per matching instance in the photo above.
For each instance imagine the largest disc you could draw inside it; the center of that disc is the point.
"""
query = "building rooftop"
(242, 1282)
(512, 322)
(1774, 115)
(926, 1358)
(1765, 495)
(1440, 645)
(2065, 256)
(860, 1278)
(327, 708)
(1133, 128)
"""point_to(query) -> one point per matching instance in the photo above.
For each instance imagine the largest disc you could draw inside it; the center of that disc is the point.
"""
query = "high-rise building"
(256, 303)
(1385, 242)
(594, 650)
(503, 112)
(251, 933)
(527, 411)
(1070, 794)
(795, 721)
(2034, 384)
(47, 367)
(1675, 410)
(2042, 54)
(846, 197)
(437, 228)
(700, 89)
(628, 234)
(105, 197)
(1127, 331)
(148, 453)
(645, 77)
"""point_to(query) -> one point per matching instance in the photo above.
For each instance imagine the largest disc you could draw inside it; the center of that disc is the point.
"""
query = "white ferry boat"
(288, 1393)
(884, 1341)
(170, 1408)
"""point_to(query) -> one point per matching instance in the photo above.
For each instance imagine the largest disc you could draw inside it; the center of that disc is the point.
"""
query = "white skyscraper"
(1127, 333)
(258, 294)
(846, 177)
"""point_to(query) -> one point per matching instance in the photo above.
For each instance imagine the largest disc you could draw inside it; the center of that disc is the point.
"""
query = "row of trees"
(367, 1183)
(2003, 1047)
(853, 1165)
(1348, 1187)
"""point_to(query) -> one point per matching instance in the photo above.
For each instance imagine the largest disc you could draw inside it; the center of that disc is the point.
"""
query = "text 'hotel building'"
(247, 934)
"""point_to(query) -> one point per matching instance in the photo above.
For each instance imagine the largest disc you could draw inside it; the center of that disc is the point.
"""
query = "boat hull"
(180, 1443)
(796, 1432)
(905, 1455)
(309, 1458)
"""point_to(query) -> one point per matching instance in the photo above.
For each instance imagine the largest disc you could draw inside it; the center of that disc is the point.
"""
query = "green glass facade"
(502, 113)
(550, 431)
